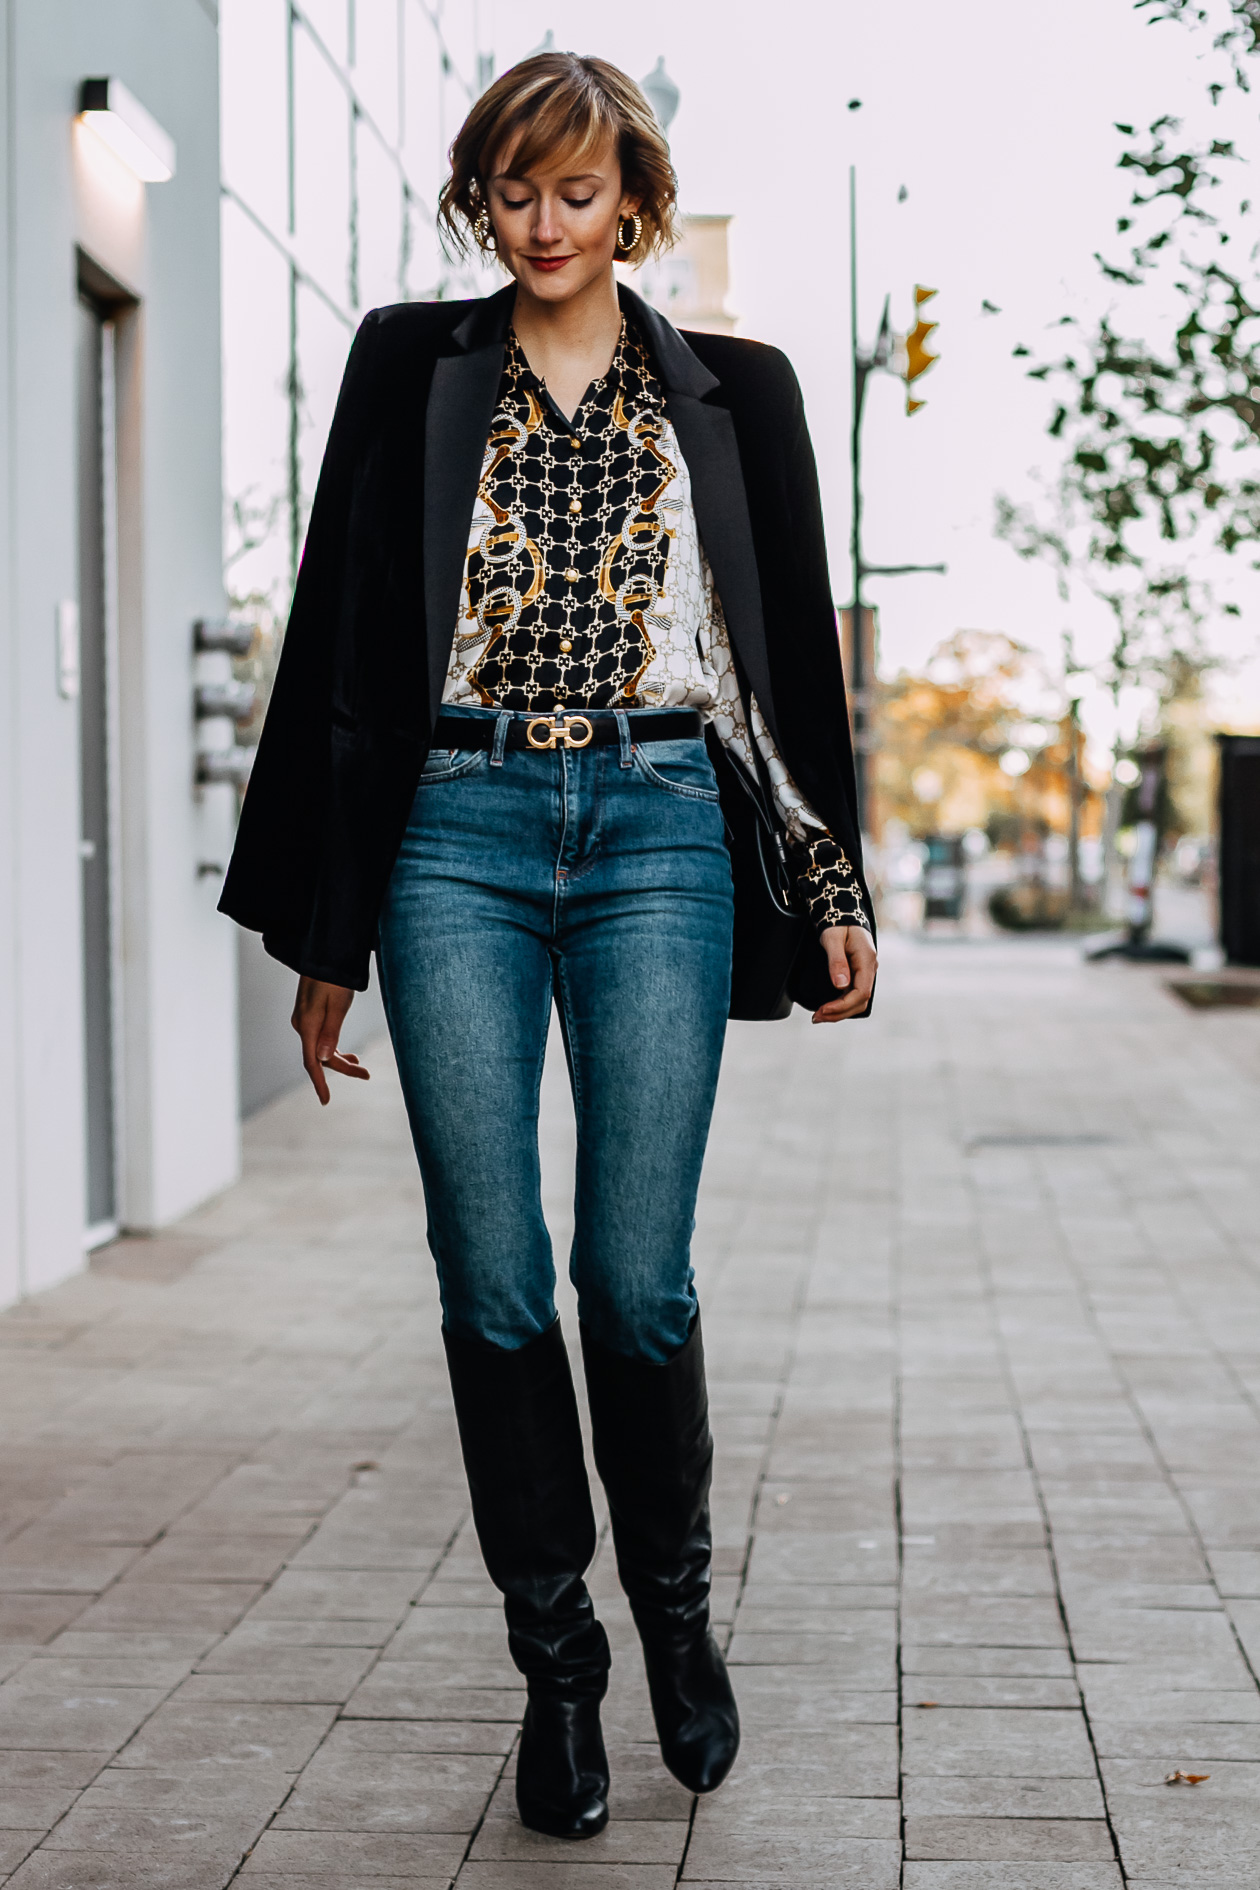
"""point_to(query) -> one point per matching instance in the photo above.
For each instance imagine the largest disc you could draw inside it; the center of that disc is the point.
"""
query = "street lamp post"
(863, 366)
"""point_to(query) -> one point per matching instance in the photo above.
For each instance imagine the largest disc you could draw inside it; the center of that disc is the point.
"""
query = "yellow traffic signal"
(918, 360)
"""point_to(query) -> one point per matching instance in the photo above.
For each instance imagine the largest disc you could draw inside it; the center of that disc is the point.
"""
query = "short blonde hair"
(554, 103)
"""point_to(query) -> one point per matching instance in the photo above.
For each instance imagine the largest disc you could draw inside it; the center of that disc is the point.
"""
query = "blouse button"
(571, 576)
(576, 445)
(566, 645)
(575, 505)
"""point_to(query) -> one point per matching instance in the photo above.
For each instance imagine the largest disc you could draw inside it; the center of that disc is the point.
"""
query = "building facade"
(118, 1074)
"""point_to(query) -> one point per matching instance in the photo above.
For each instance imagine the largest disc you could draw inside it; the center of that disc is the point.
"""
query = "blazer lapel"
(706, 434)
(457, 422)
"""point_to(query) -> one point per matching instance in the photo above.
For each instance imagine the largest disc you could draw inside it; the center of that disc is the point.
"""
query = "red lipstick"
(548, 263)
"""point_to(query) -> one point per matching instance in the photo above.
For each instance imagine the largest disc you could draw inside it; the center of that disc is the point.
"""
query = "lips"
(548, 264)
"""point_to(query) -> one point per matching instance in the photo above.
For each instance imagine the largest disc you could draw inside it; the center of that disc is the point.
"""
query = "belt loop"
(623, 730)
(500, 738)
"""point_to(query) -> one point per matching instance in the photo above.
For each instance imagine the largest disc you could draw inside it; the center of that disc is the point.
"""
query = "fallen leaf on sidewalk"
(1186, 1778)
(927, 1702)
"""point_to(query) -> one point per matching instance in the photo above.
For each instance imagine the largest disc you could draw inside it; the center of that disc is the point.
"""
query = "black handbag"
(776, 959)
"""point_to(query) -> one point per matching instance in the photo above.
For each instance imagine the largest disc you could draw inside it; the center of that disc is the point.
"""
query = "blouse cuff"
(827, 884)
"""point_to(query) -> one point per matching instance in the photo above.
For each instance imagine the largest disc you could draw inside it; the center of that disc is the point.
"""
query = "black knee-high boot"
(654, 1453)
(518, 1425)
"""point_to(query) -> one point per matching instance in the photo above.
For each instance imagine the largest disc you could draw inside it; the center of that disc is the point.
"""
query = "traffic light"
(918, 360)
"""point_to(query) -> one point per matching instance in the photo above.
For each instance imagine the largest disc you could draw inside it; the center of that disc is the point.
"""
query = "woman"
(555, 545)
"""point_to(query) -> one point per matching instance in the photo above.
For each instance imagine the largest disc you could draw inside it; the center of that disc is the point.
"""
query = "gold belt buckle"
(558, 730)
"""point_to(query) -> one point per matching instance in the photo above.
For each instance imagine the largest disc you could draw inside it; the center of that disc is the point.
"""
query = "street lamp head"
(661, 93)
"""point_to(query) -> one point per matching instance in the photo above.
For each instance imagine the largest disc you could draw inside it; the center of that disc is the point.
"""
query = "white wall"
(178, 995)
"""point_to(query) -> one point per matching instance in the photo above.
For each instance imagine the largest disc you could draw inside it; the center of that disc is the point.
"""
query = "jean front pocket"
(683, 767)
(450, 764)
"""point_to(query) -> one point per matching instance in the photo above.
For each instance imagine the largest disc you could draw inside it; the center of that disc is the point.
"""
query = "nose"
(546, 223)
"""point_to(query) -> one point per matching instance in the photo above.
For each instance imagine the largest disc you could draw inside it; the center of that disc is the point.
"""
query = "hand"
(851, 956)
(319, 1012)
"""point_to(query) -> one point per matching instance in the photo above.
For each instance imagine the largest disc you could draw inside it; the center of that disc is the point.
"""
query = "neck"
(583, 327)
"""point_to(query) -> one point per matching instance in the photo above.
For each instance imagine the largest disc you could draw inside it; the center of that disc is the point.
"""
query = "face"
(556, 228)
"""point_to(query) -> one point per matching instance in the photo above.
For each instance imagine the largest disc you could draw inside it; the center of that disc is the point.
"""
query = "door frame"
(115, 309)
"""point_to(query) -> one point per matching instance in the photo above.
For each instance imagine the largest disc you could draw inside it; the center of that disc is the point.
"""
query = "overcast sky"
(998, 119)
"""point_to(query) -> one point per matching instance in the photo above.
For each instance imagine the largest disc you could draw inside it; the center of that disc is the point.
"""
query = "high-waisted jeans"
(598, 877)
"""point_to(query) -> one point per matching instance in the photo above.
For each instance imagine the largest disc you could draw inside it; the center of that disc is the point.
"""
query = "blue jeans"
(600, 878)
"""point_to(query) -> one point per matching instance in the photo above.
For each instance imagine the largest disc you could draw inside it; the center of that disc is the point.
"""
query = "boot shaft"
(522, 1446)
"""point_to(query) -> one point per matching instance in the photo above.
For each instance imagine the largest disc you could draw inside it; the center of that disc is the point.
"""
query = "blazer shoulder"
(411, 322)
(752, 368)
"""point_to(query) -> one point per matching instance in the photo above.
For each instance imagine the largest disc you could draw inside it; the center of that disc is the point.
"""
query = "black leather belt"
(588, 728)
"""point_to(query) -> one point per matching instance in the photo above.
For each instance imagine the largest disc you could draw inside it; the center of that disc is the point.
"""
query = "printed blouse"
(586, 587)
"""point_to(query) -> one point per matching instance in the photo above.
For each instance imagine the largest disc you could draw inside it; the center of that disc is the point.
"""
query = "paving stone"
(338, 1880)
(787, 1856)
(114, 1870)
(124, 1645)
(340, 1594)
(32, 1565)
(250, 1558)
(1009, 1840)
(1024, 1876)
(345, 1790)
(399, 1689)
(252, 1637)
(987, 1690)
(1054, 1663)
(924, 1797)
(997, 1741)
(70, 1720)
(149, 1607)
(222, 1836)
(431, 1735)
(222, 1734)
(345, 1856)
(191, 1786)
(553, 1875)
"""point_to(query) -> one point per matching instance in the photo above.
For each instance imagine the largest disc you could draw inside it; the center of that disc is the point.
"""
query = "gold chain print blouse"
(586, 587)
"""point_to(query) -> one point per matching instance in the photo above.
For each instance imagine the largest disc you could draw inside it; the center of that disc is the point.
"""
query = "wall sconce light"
(120, 121)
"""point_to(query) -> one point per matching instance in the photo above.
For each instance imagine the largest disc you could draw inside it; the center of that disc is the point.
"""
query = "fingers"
(347, 1066)
(855, 976)
(840, 1008)
(319, 1012)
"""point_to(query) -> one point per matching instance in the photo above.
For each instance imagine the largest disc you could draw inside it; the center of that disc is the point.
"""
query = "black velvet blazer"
(366, 651)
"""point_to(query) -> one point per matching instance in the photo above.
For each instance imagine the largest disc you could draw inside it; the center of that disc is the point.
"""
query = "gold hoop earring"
(627, 249)
(483, 233)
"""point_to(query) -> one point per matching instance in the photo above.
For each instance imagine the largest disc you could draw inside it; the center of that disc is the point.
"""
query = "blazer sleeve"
(273, 874)
(815, 720)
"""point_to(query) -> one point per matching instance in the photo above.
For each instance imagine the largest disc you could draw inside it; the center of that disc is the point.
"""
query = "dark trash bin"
(1240, 848)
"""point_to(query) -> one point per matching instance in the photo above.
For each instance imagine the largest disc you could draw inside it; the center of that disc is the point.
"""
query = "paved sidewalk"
(982, 1299)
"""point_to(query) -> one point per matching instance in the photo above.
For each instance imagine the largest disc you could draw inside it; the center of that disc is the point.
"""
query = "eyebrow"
(580, 177)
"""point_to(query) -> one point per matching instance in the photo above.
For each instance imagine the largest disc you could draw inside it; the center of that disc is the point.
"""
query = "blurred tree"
(983, 738)
(1161, 438)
